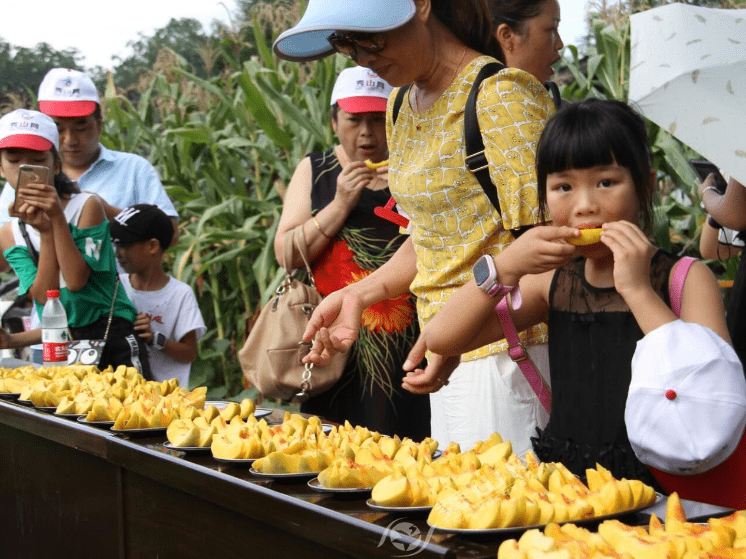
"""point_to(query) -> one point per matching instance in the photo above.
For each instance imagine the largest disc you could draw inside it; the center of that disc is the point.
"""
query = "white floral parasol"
(688, 75)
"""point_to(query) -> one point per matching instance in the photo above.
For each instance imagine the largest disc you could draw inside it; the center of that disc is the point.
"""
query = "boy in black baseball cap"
(169, 319)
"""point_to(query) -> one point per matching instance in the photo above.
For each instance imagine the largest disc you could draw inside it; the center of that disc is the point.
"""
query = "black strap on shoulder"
(476, 161)
(398, 100)
(553, 90)
(29, 245)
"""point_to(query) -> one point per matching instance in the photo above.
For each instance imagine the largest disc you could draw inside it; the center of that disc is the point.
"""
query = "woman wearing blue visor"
(438, 46)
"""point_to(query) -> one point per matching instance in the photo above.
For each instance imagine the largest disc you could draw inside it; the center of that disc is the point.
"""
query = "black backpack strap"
(475, 159)
(398, 100)
(553, 90)
(31, 250)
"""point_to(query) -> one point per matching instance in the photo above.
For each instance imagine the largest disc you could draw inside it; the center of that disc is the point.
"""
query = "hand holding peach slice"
(373, 166)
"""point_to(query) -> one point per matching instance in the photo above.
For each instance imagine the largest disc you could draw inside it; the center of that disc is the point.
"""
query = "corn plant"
(225, 148)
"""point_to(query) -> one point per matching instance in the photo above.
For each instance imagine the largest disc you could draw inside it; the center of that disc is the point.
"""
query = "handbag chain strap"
(111, 313)
(297, 238)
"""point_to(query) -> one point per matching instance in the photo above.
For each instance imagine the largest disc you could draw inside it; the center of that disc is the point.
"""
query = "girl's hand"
(351, 182)
(632, 254)
(538, 250)
(31, 215)
(41, 197)
(335, 324)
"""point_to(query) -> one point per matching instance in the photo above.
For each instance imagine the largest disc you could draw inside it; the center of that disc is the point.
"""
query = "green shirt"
(94, 300)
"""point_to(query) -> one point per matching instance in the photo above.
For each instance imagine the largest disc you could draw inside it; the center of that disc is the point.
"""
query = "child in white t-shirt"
(168, 319)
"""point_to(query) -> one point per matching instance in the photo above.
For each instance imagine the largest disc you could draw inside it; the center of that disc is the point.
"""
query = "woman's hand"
(434, 376)
(335, 324)
(350, 184)
(32, 216)
(538, 250)
(43, 197)
(632, 254)
(40, 204)
(709, 182)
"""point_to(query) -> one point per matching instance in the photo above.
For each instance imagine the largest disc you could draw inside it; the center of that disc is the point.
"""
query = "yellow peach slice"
(587, 237)
(373, 166)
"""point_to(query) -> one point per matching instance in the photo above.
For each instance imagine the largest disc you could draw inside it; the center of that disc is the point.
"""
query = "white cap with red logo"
(26, 129)
(67, 93)
(360, 90)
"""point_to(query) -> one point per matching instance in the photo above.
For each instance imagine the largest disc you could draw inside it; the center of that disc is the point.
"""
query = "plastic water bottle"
(54, 335)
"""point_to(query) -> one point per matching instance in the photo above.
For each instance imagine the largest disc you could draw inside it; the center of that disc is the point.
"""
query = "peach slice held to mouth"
(588, 236)
(373, 166)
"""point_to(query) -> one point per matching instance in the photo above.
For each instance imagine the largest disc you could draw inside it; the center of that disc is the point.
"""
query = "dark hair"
(515, 14)
(470, 21)
(597, 132)
(97, 114)
(62, 183)
(334, 111)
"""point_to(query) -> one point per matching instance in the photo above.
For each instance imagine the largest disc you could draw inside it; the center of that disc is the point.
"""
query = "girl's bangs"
(577, 145)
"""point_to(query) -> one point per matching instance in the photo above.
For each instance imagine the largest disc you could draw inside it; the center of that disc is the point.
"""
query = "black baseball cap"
(139, 223)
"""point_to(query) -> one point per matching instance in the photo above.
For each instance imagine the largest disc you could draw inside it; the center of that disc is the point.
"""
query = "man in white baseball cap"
(121, 179)
(67, 93)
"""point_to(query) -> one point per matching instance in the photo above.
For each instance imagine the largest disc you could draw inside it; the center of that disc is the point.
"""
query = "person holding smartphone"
(59, 239)
(727, 209)
(716, 242)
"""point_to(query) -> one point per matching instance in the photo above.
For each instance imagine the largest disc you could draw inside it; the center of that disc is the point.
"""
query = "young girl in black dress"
(594, 171)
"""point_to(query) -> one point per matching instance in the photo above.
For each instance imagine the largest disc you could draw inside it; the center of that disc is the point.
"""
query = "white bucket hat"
(686, 407)
(308, 39)
(26, 129)
(67, 93)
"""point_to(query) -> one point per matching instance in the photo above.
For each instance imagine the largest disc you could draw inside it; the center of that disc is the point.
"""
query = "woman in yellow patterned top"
(452, 223)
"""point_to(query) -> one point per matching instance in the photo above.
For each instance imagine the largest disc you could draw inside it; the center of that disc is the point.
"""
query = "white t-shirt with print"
(175, 313)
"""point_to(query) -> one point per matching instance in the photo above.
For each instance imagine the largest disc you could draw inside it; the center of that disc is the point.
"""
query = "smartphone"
(28, 174)
(703, 168)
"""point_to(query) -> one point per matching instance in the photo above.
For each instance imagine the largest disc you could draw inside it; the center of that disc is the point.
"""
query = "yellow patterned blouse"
(452, 222)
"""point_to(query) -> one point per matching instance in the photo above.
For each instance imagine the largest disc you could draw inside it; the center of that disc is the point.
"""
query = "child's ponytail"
(64, 186)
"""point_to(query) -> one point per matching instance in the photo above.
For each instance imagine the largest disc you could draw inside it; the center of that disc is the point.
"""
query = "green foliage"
(225, 147)
(183, 36)
(23, 68)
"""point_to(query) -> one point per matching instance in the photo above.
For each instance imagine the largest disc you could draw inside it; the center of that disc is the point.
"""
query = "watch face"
(481, 271)
(160, 340)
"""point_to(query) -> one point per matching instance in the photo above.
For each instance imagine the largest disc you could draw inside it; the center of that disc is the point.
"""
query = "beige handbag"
(271, 357)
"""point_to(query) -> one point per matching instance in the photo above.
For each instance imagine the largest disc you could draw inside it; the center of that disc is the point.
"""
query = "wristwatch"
(485, 275)
(159, 340)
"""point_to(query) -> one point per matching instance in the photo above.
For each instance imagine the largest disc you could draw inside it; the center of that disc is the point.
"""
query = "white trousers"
(489, 395)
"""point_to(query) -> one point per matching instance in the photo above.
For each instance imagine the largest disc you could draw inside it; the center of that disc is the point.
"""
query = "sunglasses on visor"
(348, 43)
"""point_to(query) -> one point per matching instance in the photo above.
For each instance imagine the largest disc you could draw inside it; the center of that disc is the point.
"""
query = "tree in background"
(23, 68)
(185, 37)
